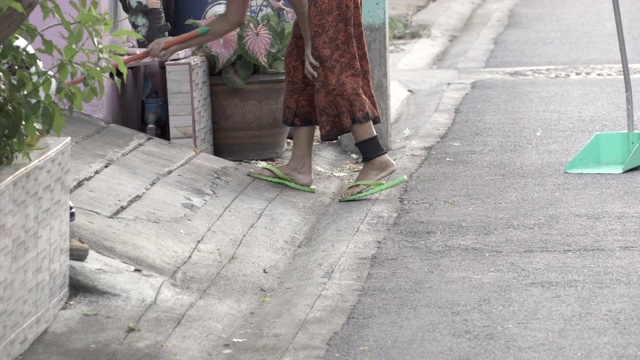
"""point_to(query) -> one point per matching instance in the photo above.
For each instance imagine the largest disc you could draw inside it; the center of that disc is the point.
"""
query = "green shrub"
(32, 99)
(400, 29)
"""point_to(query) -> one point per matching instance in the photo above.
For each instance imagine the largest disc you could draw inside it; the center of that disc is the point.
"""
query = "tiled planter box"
(34, 244)
(190, 103)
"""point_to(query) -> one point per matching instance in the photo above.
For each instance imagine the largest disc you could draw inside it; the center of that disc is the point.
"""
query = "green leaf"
(288, 30)
(63, 71)
(124, 33)
(244, 68)
(48, 47)
(29, 100)
(231, 78)
(69, 51)
(76, 7)
(58, 120)
(121, 65)
(278, 66)
(15, 6)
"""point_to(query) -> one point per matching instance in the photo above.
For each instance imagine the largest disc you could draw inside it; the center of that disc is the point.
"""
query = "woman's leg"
(374, 169)
(299, 168)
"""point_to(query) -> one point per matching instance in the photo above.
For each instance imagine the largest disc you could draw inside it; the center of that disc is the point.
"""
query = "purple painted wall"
(95, 108)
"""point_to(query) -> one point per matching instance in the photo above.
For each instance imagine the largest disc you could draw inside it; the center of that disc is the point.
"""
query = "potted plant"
(247, 84)
(33, 99)
(34, 169)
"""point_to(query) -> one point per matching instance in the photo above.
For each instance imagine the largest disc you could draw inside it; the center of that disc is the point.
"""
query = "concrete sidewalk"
(193, 259)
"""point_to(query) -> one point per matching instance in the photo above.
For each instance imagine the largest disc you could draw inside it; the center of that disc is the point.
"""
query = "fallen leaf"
(89, 312)
(265, 299)
(132, 328)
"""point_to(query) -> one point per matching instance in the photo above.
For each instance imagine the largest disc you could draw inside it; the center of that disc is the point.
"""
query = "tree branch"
(12, 19)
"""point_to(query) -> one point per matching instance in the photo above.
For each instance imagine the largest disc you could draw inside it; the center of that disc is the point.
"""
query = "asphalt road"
(497, 253)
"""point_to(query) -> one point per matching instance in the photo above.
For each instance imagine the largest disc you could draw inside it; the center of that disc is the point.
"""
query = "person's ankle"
(383, 161)
(300, 167)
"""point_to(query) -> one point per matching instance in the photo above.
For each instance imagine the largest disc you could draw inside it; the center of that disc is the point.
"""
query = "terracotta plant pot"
(247, 123)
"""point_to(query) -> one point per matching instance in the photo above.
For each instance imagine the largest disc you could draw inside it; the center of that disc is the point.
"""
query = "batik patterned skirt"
(342, 94)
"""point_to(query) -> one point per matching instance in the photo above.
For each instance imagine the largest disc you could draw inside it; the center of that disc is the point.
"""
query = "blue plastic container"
(185, 10)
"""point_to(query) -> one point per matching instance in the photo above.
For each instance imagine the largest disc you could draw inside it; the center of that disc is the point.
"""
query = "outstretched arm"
(301, 8)
(233, 18)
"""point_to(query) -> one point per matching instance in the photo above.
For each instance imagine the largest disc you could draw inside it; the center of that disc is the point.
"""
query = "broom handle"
(625, 65)
(143, 55)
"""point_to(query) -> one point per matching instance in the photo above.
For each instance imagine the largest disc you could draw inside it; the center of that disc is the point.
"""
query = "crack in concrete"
(110, 161)
(91, 134)
(89, 211)
(204, 291)
(176, 271)
(151, 184)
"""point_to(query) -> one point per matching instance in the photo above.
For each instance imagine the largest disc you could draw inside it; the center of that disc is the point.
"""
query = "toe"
(352, 191)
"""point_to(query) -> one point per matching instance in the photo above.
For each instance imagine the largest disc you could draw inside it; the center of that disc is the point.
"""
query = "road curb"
(444, 19)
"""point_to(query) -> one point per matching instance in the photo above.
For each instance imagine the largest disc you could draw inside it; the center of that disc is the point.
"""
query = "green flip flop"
(375, 187)
(281, 178)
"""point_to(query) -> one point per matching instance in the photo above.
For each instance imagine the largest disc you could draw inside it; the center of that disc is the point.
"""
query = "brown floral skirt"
(342, 95)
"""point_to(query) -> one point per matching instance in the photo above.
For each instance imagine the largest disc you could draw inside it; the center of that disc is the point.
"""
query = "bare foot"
(297, 175)
(374, 170)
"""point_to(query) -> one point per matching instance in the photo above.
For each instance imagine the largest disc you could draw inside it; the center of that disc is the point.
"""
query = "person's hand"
(309, 64)
(154, 4)
(156, 49)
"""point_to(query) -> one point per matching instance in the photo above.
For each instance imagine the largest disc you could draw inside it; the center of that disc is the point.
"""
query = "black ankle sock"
(370, 148)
